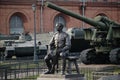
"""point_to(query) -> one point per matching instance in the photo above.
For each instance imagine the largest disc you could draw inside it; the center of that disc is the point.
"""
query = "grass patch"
(27, 78)
(22, 64)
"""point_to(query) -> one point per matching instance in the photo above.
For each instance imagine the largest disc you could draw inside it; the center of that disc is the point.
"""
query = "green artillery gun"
(104, 37)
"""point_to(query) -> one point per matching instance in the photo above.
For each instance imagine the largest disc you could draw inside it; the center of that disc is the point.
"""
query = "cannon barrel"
(76, 15)
(98, 24)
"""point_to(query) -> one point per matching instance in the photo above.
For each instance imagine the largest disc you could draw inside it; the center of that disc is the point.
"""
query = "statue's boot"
(47, 72)
(53, 69)
(49, 67)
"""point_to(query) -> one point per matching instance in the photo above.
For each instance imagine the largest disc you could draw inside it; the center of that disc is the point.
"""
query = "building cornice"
(103, 4)
(16, 2)
(61, 3)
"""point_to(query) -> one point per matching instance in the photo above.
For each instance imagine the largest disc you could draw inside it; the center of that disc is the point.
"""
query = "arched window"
(59, 19)
(102, 14)
(16, 25)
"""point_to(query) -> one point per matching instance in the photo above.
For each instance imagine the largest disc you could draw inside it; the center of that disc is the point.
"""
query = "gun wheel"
(88, 56)
(115, 56)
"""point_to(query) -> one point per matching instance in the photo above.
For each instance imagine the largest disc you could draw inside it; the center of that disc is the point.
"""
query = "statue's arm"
(51, 46)
(67, 43)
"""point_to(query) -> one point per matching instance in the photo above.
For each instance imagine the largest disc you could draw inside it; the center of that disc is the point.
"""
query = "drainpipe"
(83, 12)
(41, 17)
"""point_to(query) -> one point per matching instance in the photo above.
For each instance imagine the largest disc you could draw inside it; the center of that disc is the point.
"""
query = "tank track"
(88, 56)
(114, 56)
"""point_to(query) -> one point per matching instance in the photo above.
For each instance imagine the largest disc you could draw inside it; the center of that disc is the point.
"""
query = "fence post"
(27, 68)
(15, 70)
(5, 73)
(38, 68)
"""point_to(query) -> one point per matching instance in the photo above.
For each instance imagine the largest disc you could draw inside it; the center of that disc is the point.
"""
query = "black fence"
(30, 70)
(18, 70)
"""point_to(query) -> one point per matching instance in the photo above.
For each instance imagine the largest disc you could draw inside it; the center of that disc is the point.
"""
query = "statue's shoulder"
(65, 34)
(54, 34)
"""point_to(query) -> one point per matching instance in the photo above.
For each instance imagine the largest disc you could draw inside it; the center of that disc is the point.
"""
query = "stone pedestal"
(61, 77)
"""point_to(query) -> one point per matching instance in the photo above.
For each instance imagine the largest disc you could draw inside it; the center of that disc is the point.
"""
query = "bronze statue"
(58, 47)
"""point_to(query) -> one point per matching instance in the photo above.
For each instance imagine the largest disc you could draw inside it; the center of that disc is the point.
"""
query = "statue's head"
(59, 26)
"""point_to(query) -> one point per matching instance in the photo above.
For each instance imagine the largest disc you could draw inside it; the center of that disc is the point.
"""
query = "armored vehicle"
(104, 37)
(19, 45)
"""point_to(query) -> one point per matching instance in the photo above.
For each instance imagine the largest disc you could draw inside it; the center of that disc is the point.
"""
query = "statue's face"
(59, 27)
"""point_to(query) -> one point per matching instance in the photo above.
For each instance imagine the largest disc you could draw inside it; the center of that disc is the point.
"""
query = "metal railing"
(30, 70)
(15, 70)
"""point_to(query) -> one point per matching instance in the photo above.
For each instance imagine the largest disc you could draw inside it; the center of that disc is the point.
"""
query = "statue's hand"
(62, 54)
(58, 50)
(50, 54)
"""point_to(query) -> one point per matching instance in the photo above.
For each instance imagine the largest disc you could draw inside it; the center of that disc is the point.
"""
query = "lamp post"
(35, 55)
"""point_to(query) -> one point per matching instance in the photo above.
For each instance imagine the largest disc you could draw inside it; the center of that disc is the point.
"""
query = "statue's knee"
(62, 54)
(45, 58)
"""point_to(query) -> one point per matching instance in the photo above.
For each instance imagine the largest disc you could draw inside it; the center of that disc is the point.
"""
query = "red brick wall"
(7, 10)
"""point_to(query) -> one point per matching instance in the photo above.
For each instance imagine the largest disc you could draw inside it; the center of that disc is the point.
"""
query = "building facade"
(17, 16)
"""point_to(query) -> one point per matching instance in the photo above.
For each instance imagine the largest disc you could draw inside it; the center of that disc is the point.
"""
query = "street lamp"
(35, 54)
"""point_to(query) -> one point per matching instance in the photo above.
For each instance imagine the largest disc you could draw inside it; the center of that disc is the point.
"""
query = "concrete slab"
(61, 77)
(113, 77)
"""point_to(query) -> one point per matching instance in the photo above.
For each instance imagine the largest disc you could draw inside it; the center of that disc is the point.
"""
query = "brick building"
(17, 16)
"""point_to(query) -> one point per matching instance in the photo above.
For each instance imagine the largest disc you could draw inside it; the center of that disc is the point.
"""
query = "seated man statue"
(58, 47)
